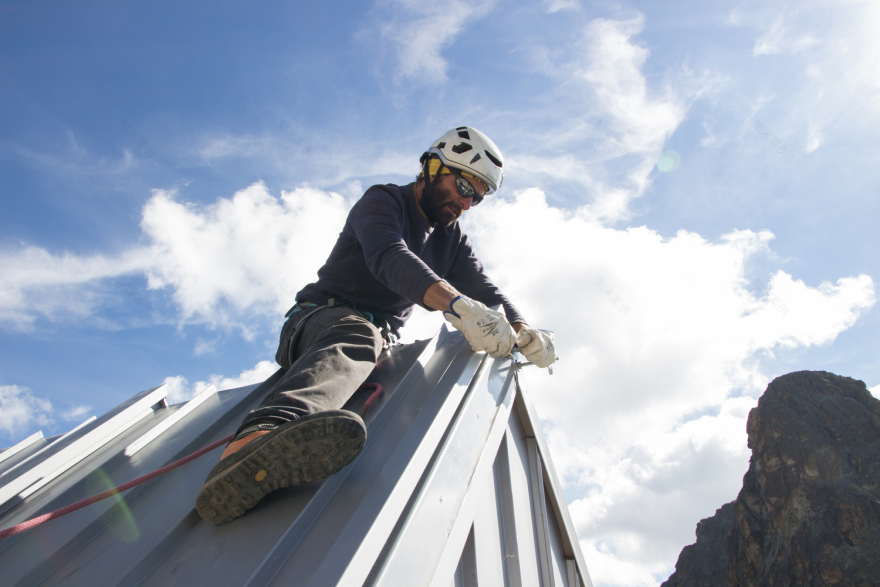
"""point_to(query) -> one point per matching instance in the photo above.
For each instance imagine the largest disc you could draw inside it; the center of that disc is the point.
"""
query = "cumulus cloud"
(20, 410)
(662, 344)
(242, 255)
(180, 390)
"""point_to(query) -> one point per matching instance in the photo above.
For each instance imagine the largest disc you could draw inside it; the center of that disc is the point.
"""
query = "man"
(400, 246)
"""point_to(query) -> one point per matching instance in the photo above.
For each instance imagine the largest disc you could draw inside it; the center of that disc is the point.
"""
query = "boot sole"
(305, 450)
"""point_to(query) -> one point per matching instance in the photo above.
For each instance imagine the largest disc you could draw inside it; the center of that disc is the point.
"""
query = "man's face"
(445, 205)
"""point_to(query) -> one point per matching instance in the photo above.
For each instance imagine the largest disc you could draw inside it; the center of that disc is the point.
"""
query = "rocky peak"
(809, 509)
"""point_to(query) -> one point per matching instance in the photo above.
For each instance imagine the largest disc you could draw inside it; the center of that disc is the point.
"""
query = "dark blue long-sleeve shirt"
(388, 254)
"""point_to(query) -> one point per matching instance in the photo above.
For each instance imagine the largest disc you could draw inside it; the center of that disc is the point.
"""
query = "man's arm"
(440, 295)
(536, 345)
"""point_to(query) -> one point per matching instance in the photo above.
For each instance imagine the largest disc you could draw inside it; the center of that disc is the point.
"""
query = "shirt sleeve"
(377, 221)
(468, 276)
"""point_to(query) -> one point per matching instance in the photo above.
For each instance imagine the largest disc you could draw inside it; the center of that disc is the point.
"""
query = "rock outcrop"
(809, 509)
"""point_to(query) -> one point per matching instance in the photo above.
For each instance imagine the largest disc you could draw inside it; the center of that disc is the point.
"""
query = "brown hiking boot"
(304, 450)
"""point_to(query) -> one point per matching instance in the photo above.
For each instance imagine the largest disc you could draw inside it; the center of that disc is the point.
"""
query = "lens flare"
(669, 161)
(123, 526)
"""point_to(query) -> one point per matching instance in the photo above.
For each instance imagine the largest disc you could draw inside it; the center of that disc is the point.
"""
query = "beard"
(440, 207)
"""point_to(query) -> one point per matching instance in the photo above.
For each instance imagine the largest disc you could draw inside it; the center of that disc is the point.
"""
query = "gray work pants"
(333, 354)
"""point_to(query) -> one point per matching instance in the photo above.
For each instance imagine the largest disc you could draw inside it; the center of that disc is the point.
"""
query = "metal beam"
(46, 449)
(32, 480)
(14, 450)
(536, 478)
(170, 421)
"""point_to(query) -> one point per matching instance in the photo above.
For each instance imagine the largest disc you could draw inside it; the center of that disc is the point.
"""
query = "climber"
(400, 246)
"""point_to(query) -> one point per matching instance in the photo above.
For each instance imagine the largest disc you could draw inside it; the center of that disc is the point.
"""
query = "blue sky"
(690, 202)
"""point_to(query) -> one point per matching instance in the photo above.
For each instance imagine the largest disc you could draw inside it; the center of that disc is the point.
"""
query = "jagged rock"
(809, 509)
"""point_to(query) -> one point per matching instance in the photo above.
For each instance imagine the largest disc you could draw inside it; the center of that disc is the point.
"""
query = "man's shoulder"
(386, 191)
(383, 197)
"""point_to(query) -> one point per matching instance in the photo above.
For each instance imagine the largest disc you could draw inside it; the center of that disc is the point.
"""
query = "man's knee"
(370, 330)
(364, 331)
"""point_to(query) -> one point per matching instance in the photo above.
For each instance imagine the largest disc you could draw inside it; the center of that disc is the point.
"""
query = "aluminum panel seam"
(536, 477)
(170, 421)
(14, 450)
(79, 537)
(483, 472)
(66, 458)
(284, 547)
(530, 421)
(448, 476)
(87, 451)
(508, 512)
(433, 422)
(571, 569)
(46, 448)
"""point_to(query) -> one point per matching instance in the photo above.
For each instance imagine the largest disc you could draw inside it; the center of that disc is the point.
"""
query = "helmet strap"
(430, 185)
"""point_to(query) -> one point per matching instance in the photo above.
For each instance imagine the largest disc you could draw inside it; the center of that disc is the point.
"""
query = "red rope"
(110, 492)
(143, 479)
(378, 391)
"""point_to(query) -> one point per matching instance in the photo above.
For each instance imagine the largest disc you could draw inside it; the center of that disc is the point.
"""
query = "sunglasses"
(466, 190)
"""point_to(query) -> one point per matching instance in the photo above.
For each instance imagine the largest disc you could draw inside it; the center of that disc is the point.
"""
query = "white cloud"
(553, 6)
(875, 391)
(837, 46)
(35, 282)
(420, 31)
(179, 389)
(777, 39)
(612, 65)
(19, 410)
(245, 255)
(290, 153)
(603, 108)
(76, 412)
(242, 256)
(661, 342)
(205, 347)
(661, 338)
(814, 139)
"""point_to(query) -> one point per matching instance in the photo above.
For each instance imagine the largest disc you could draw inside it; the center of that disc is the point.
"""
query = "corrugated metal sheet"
(453, 488)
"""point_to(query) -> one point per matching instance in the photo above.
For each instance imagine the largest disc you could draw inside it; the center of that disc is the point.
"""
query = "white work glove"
(486, 330)
(538, 346)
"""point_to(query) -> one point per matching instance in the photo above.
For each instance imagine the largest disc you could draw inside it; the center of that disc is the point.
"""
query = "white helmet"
(468, 149)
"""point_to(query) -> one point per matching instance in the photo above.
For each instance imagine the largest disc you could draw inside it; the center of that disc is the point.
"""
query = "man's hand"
(486, 330)
(537, 345)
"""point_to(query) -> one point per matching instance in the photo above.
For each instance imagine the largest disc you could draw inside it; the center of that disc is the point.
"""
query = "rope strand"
(34, 522)
(110, 492)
